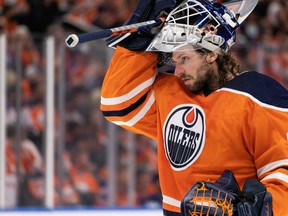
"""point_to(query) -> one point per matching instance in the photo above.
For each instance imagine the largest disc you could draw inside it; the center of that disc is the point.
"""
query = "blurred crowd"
(81, 170)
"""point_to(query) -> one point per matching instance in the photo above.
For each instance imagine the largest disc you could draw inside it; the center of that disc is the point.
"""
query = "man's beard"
(206, 81)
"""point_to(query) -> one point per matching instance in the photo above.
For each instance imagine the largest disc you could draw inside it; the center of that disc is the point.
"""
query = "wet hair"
(227, 64)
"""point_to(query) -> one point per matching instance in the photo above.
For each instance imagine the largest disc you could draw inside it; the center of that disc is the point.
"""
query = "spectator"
(30, 168)
(84, 182)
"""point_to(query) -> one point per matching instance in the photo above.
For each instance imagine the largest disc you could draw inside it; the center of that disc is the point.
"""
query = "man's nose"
(178, 70)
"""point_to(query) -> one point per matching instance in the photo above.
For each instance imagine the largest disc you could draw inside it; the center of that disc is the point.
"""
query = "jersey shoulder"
(261, 87)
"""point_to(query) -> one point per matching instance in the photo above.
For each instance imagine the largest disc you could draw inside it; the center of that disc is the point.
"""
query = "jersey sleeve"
(266, 130)
(127, 97)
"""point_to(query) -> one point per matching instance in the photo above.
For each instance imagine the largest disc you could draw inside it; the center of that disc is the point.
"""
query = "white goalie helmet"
(196, 24)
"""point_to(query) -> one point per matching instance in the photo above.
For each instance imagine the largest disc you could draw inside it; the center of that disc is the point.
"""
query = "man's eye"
(184, 59)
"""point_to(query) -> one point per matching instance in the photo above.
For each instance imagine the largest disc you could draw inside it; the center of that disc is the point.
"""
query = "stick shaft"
(73, 40)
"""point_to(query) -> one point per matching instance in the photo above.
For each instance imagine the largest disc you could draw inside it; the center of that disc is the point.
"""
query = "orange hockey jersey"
(242, 127)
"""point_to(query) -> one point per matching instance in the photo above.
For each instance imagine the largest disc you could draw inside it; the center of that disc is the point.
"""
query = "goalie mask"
(197, 24)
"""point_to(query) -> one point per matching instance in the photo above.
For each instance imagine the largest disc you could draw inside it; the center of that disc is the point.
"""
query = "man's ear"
(211, 57)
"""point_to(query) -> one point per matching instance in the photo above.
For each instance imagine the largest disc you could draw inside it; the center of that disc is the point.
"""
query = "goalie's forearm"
(130, 75)
(127, 97)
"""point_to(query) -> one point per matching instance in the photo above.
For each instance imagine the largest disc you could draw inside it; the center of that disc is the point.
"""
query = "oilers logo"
(184, 135)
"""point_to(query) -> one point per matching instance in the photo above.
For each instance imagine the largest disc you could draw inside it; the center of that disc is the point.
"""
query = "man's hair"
(227, 63)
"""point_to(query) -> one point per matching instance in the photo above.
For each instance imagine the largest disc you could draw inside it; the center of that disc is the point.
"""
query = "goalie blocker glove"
(224, 198)
(145, 10)
(254, 200)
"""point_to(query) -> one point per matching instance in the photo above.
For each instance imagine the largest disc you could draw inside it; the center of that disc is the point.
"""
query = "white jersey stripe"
(272, 166)
(278, 176)
(171, 201)
(140, 114)
(129, 95)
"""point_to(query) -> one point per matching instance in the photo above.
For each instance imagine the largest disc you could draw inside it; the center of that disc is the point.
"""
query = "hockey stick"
(73, 39)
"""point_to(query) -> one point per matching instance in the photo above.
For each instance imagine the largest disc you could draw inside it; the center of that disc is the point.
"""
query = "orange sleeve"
(127, 97)
(267, 128)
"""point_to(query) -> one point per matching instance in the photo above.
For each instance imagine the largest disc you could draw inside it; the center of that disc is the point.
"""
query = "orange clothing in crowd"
(68, 192)
(30, 158)
(83, 180)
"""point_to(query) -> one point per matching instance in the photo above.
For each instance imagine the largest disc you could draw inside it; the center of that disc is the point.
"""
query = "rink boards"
(84, 212)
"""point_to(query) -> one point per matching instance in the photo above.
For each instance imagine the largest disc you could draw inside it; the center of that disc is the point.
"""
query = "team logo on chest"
(184, 135)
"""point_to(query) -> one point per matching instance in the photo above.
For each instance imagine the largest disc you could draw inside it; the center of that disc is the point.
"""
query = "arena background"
(58, 154)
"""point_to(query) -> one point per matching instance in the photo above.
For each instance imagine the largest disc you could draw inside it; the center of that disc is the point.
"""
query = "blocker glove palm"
(144, 11)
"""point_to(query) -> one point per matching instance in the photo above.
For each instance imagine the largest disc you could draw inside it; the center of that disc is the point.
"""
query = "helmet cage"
(198, 24)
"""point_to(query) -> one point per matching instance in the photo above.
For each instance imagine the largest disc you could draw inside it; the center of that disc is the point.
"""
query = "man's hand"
(145, 10)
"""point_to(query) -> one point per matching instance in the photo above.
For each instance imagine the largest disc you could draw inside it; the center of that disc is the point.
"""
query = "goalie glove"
(254, 200)
(144, 11)
(207, 198)
(224, 198)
